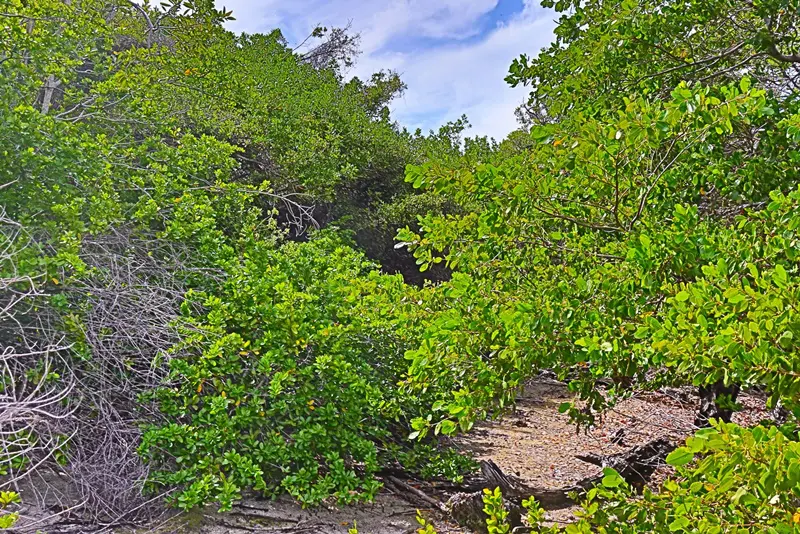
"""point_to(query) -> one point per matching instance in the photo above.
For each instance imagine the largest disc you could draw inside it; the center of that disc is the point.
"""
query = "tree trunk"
(48, 91)
(709, 406)
(51, 83)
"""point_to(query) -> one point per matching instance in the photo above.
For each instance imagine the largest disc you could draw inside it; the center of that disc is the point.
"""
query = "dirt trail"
(535, 443)
(540, 446)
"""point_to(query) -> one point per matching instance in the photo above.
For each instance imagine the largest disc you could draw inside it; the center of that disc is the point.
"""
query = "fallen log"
(466, 509)
(413, 495)
(710, 408)
(493, 477)
(636, 466)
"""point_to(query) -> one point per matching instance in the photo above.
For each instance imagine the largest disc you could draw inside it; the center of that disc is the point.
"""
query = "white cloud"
(463, 73)
(377, 20)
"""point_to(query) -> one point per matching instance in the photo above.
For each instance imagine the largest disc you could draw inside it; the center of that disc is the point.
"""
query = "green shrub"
(280, 385)
(8, 519)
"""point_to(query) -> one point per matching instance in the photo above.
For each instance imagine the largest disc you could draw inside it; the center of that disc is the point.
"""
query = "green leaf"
(744, 84)
(734, 297)
(611, 478)
(448, 427)
(680, 456)
(779, 276)
(679, 523)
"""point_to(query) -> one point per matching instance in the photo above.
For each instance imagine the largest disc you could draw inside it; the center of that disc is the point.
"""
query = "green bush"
(8, 519)
(282, 384)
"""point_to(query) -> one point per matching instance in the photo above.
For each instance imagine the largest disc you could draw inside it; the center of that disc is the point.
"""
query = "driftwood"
(636, 466)
(513, 488)
(413, 495)
(465, 505)
(709, 406)
(466, 509)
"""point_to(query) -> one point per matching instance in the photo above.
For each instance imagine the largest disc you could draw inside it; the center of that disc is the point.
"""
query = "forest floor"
(535, 443)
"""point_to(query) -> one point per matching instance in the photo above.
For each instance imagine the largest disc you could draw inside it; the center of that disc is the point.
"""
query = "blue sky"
(453, 54)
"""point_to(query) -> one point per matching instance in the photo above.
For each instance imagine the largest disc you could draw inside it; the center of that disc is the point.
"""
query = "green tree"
(646, 235)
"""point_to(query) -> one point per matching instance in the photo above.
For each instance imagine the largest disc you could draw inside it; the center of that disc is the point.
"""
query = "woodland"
(226, 270)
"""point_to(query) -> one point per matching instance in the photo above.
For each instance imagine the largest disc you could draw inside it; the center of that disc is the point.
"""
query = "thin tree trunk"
(51, 83)
(50, 86)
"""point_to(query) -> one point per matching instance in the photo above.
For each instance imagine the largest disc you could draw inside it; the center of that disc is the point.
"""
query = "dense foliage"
(181, 327)
(286, 385)
(153, 167)
(649, 239)
(739, 480)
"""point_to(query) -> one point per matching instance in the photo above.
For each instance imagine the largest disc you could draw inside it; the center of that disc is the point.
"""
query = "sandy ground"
(540, 445)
